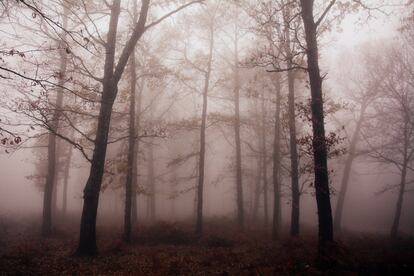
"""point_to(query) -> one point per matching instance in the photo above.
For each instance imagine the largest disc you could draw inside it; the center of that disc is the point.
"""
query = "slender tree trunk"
(174, 183)
(397, 216)
(87, 237)
(151, 183)
(134, 199)
(200, 187)
(318, 127)
(66, 181)
(54, 207)
(294, 159)
(257, 187)
(131, 152)
(112, 75)
(294, 162)
(48, 194)
(347, 171)
(264, 160)
(51, 150)
(276, 164)
(239, 184)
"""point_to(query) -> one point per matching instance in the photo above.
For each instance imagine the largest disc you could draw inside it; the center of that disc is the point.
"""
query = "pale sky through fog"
(355, 30)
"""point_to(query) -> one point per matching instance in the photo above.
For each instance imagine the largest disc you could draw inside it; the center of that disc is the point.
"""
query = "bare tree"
(112, 75)
(390, 134)
(320, 157)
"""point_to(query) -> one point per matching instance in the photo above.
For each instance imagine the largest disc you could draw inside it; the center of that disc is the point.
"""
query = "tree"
(202, 152)
(239, 184)
(318, 127)
(390, 134)
(277, 22)
(112, 75)
(54, 125)
(360, 91)
(276, 163)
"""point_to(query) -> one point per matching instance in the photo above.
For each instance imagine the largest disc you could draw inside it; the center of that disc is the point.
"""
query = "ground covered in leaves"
(172, 249)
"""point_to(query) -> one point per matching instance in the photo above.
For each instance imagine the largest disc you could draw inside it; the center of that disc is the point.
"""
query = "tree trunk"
(131, 152)
(396, 222)
(239, 185)
(258, 187)
(151, 184)
(264, 160)
(48, 194)
(294, 163)
(318, 127)
(347, 171)
(51, 149)
(397, 216)
(66, 181)
(87, 237)
(276, 164)
(200, 187)
(294, 160)
(134, 192)
(174, 183)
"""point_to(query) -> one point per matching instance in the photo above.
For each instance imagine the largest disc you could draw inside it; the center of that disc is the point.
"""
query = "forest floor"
(173, 249)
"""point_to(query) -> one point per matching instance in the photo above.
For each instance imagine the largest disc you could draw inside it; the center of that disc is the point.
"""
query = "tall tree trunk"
(66, 181)
(174, 182)
(294, 162)
(276, 164)
(264, 160)
(239, 184)
(201, 159)
(51, 149)
(294, 159)
(318, 126)
(151, 184)
(257, 187)
(347, 171)
(134, 192)
(397, 216)
(87, 237)
(48, 193)
(131, 152)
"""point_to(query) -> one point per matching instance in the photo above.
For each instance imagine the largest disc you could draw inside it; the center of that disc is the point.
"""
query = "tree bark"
(200, 186)
(318, 126)
(276, 164)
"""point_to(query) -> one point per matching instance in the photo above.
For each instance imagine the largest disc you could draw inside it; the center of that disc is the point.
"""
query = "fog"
(207, 117)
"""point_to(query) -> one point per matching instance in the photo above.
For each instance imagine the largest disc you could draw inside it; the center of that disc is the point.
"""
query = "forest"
(206, 137)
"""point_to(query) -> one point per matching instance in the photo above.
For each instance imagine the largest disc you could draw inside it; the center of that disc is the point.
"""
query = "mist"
(200, 137)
